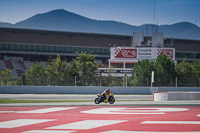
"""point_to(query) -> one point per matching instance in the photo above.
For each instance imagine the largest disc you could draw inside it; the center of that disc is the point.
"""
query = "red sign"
(125, 53)
(167, 52)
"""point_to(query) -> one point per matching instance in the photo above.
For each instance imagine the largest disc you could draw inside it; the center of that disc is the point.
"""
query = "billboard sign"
(125, 53)
(145, 53)
(130, 53)
(168, 52)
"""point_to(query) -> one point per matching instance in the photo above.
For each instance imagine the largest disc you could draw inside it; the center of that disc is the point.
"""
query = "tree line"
(167, 73)
(82, 70)
(57, 72)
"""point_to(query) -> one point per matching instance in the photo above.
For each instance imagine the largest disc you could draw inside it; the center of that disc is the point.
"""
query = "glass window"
(17, 47)
(45, 48)
(65, 49)
(72, 50)
(34, 48)
(90, 50)
(62, 49)
(198, 56)
(23, 48)
(40, 48)
(5, 47)
(102, 51)
(97, 51)
(51, 49)
(192, 55)
(11, 47)
(56, 49)
(117, 65)
(77, 49)
(28, 47)
(81, 49)
(129, 65)
(108, 51)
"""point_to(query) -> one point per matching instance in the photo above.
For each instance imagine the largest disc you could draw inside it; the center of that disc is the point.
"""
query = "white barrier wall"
(71, 90)
(176, 96)
(87, 89)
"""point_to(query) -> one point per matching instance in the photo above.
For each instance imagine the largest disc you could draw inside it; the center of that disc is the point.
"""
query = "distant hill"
(6, 24)
(62, 20)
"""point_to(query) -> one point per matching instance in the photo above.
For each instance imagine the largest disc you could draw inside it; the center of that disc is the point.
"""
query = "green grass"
(2, 101)
(7, 101)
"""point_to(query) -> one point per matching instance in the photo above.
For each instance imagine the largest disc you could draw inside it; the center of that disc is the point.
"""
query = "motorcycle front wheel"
(111, 100)
(97, 100)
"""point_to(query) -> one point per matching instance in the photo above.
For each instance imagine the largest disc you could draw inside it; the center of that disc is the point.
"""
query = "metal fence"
(146, 82)
(121, 82)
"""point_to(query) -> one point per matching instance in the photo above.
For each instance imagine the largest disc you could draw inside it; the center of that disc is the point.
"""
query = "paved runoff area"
(100, 119)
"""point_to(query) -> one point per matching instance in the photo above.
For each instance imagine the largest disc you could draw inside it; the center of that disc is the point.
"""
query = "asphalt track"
(100, 119)
(69, 97)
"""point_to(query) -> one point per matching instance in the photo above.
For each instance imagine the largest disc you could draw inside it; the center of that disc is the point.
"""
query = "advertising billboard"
(125, 53)
(168, 52)
(130, 53)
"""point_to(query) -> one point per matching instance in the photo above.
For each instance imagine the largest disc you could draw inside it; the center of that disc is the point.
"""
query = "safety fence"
(112, 81)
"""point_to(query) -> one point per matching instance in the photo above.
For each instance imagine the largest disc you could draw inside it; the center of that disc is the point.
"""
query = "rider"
(106, 92)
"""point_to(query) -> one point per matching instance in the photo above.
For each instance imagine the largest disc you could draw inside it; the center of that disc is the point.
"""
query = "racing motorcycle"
(109, 98)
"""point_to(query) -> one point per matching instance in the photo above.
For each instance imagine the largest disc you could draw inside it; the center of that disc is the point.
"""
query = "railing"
(115, 81)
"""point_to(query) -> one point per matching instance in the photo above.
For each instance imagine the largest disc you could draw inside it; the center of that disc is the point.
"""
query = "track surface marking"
(100, 119)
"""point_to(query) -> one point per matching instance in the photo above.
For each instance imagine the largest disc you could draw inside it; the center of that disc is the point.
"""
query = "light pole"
(152, 78)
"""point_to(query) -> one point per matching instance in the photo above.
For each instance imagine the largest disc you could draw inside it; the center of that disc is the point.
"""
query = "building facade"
(19, 47)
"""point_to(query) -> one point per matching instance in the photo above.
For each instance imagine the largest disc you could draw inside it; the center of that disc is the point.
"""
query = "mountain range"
(62, 20)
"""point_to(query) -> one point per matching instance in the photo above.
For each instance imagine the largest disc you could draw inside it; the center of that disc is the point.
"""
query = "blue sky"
(134, 12)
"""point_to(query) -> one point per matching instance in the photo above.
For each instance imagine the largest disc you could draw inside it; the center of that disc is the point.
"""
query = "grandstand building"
(19, 47)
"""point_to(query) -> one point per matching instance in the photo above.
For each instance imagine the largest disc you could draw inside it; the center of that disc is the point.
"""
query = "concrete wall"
(177, 89)
(71, 90)
(87, 89)
(176, 96)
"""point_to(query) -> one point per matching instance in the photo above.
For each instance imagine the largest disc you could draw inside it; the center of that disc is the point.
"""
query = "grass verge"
(40, 101)
(7, 101)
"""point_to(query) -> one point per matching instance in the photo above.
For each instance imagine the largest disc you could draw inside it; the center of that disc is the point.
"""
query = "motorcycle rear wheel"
(97, 100)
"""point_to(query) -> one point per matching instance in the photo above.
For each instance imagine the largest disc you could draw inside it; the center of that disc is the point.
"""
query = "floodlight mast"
(154, 14)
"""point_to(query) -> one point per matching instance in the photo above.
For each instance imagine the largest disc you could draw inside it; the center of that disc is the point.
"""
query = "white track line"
(47, 110)
(22, 122)
(149, 110)
(48, 131)
(87, 124)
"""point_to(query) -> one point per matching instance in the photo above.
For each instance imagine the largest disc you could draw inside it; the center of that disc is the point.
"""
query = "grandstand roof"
(31, 36)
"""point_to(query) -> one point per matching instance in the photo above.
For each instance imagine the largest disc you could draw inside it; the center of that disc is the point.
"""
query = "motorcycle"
(109, 98)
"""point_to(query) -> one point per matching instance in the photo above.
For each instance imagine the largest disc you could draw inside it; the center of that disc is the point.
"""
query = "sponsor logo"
(125, 53)
(167, 52)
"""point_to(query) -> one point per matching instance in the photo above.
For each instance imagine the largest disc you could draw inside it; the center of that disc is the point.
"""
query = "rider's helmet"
(108, 90)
